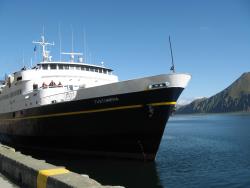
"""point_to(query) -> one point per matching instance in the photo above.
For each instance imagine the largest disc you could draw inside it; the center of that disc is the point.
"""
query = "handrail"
(30, 92)
(59, 93)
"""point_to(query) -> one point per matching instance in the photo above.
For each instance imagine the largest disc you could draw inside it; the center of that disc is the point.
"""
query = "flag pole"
(35, 54)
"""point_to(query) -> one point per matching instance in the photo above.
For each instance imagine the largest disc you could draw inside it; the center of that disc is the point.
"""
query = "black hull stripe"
(92, 111)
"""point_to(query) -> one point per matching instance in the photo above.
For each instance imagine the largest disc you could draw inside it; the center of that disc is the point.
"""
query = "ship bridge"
(73, 66)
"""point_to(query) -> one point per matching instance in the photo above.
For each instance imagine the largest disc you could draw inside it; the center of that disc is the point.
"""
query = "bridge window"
(60, 67)
(45, 67)
(53, 66)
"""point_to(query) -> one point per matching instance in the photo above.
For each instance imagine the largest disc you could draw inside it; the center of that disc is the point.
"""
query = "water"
(196, 151)
(206, 151)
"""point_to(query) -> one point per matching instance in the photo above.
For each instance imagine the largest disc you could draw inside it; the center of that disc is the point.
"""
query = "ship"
(83, 109)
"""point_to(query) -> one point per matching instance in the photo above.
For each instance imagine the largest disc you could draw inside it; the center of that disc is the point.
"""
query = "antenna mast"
(85, 45)
(43, 30)
(23, 60)
(45, 53)
(60, 40)
(72, 39)
(172, 67)
(72, 53)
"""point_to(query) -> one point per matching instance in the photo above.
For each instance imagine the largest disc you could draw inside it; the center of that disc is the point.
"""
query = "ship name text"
(106, 100)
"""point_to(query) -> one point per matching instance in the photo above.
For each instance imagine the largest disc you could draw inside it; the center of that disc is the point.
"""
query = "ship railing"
(68, 95)
(59, 97)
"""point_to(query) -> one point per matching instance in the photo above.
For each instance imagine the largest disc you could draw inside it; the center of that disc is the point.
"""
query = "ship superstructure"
(50, 81)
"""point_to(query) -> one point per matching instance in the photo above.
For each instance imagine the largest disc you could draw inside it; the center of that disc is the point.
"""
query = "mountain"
(235, 98)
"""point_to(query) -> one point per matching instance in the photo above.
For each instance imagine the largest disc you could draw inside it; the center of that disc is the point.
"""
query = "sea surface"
(196, 151)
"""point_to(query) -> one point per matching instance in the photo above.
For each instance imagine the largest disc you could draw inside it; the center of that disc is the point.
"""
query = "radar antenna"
(72, 55)
(45, 53)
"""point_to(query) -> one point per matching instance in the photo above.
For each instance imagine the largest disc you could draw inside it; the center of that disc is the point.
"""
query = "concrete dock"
(32, 173)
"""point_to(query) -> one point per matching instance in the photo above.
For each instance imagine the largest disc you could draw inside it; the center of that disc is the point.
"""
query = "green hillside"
(235, 98)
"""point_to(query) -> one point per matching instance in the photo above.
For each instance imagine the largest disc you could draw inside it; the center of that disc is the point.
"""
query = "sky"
(210, 39)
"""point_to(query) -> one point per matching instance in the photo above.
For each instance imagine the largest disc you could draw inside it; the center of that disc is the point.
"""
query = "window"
(78, 67)
(53, 66)
(66, 67)
(71, 67)
(19, 78)
(45, 67)
(60, 67)
(35, 86)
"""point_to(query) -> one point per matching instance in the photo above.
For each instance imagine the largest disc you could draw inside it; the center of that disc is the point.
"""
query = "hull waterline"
(126, 125)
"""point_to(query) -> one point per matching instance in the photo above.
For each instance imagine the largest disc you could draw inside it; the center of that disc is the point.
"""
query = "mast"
(84, 46)
(72, 39)
(172, 67)
(60, 40)
(45, 53)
